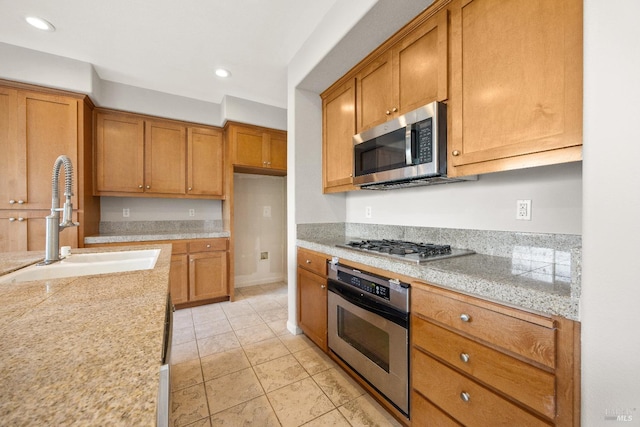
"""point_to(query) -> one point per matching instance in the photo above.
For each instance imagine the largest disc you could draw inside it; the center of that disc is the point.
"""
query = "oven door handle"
(388, 313)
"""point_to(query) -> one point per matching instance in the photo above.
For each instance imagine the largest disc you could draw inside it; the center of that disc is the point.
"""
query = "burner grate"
(407, 250)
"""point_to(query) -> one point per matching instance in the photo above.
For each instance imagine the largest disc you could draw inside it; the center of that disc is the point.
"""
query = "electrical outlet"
(192, 212)
(266, 211)
(523, 210)
(264, 255)
(125, 212)
(367, 212)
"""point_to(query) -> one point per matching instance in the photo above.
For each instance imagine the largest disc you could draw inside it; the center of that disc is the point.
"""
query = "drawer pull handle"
(465, 396)
(465, 317)
(464, 357)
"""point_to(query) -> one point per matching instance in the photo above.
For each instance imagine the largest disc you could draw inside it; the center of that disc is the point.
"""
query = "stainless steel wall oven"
(368, 328)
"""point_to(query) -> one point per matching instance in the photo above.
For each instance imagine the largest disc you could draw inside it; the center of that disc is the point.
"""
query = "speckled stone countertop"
(536, 286)
(149, 231)
(82, 350)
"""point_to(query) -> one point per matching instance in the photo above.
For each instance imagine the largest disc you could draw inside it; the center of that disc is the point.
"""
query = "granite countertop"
(141, 236)
(82, 350)
(537, 286)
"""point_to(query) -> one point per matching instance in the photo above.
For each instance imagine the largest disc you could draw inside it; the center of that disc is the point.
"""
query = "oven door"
(374, 345)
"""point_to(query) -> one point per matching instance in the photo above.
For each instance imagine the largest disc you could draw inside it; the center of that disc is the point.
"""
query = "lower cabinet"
(312, 296)
(478, 363)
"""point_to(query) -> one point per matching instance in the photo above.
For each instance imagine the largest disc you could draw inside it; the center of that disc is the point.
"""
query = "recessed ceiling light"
(221, 72)
(40, 23)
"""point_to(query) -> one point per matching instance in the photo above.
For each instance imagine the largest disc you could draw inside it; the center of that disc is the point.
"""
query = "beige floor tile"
(256, 412)
(333, 419)
(280, 372)
(279, 327)
(184, 352)
(209, 329)
(282, 299)
(338, 386)
(265, 351)
(313, 360)
(273, 315)
(295, 342)
(220, 364)
(299, 403)
(202, 423)
(207, 313)
(366, 412)
(254, 334)
(237, 308)
(189, 405)
(264, 303)
(182, 335)
(182, 318)
(245, 321)
(186, 374)
(231, 390)
(217, 344)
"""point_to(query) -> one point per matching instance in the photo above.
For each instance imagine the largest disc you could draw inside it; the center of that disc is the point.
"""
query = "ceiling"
(174, 47)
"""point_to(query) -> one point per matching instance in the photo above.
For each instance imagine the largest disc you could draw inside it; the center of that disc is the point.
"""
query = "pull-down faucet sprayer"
(53, 226)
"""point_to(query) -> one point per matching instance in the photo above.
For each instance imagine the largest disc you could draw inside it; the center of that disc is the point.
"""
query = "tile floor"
(236, 364)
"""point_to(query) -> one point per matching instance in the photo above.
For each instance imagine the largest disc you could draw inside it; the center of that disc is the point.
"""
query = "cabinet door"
(47, 128)
(25, 231)
(207, 275)
(375, 93)
(516, 88)
(249, 147)
(206, 160)
(119, 153)
(312, 306)
(165, 158)
(179, 278)
(13, 232)
(277, 151)
(420, 65)
(338, 128)
(11, 165)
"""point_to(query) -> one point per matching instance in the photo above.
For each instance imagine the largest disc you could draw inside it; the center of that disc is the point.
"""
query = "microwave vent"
(417, 182)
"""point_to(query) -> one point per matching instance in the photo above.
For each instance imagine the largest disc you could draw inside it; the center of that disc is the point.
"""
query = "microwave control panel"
(424, 135)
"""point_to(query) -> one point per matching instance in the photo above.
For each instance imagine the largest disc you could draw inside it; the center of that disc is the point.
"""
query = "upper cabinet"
(510, 72)
(258, 150)
(338, 128)
(36, 126)
(516, 84)
(410, 73)
(148, 157)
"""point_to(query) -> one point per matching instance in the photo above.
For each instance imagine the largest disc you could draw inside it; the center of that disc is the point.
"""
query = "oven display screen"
(365, 285)
(368, 339)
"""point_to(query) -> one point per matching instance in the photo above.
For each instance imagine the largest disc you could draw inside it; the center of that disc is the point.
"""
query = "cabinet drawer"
(179, 248)
(425, 414)
(312, 261)
(524, 382)
(522, 337)
(208, 245)
(472, 404)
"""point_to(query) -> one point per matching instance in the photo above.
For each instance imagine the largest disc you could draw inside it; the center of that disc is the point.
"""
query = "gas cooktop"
(406, 251)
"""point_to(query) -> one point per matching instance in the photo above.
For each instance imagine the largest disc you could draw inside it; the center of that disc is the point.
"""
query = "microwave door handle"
(409, 141)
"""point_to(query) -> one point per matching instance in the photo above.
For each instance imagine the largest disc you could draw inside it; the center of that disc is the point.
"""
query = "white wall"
(486, 204)
(257, 231)
(610, 300)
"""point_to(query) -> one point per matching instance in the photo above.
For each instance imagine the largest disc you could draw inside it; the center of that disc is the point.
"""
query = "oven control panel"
(365, 285)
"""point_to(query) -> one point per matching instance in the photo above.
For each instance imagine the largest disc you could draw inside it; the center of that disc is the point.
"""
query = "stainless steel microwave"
(407, 151)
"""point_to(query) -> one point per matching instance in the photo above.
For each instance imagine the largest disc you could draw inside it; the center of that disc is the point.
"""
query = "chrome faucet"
(53, 225)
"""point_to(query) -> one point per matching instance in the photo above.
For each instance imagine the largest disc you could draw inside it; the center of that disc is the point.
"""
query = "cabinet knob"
(464, 357)
(395, 109)
(208, 246)
(12, 219)
(322, 286)
(456, 153)
(308, 261)
(148, 187)
(465, 396)
(268, 163)
(465, 317)
(388, 112)
(190, 188)
(20, 219)
(13, 202)
(140, 186)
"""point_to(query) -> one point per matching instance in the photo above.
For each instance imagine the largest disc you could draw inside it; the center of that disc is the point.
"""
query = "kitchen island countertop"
(537, 286)
(82, 350)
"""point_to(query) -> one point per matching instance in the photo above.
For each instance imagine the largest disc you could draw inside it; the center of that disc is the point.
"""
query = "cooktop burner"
(408, 251)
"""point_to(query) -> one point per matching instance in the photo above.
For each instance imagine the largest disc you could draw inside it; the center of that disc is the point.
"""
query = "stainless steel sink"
(87, 264)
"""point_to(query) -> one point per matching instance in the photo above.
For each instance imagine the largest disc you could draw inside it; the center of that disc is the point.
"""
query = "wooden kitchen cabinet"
(258, 150)
(484, 363)
(312, 296)
(37, 125)
(410, 73)
(516, 85)
(142, 156)
(338, 128)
